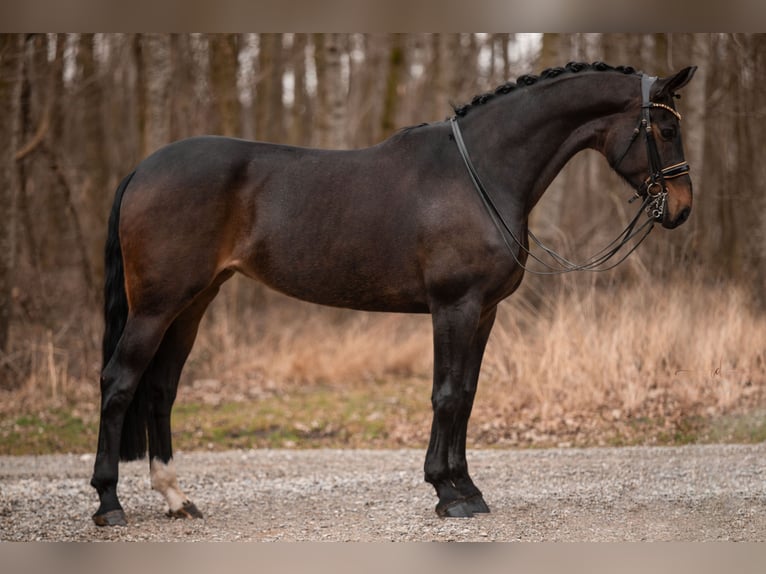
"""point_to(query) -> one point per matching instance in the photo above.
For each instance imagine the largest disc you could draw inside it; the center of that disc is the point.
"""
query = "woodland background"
(676, 332)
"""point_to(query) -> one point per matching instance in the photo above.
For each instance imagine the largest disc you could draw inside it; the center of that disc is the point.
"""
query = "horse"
(431, 220)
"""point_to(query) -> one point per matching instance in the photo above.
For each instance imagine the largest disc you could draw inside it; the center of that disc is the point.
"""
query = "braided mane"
(529, 79)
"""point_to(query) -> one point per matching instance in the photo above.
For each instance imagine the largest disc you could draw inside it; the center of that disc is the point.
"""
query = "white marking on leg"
(164, 481)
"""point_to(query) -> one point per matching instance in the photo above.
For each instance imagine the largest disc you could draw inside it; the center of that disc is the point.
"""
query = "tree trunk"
(756, 186)
(686, 50)
(448, 71)
(550, 51)
(188, 114)
(500, 67)
(391, 101)
(224, 53)
(11, 58)
(719, 171)
(368, 81)
(154, 73)
(331, 90)
(749, 175)
(301, 115)
(94, 162)
(269, 117)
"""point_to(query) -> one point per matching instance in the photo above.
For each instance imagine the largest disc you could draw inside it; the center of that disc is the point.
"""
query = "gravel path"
(694, 493)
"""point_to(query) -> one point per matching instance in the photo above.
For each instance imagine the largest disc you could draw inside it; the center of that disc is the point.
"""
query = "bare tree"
(190, 114)
(757, 126)
(449, 69)
(748, 178)
(396, 64)
(94, 163)
(11, 50)
(551, 49)
(269, 117)
(224, 53)
(331, 90)
(301, 115)
(368, 82)
(153, 84)
(32, 129)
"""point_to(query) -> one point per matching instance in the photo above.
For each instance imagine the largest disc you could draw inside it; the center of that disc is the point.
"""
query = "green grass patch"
(54, 431)
(314, 417)
(741, 428)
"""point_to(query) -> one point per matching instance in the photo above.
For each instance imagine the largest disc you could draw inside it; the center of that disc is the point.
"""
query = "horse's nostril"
(682, 216)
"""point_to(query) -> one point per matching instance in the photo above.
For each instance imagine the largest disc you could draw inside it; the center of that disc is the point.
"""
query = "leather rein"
(653, 192)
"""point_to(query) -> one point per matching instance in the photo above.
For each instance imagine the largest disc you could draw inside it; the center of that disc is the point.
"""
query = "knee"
(447, 400)
(114, 396)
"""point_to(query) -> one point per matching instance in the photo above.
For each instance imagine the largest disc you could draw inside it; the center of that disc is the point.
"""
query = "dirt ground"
(691, 493)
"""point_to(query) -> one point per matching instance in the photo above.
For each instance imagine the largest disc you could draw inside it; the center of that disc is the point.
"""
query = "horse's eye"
(668, 133)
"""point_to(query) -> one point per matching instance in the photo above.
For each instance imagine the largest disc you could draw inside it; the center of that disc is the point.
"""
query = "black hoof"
(454, 509)
(188, 510)
(476, 504)
(111, 518)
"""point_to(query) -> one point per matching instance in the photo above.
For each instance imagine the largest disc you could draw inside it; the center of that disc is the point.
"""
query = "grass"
(319, 416)
(55, 431)
(672, 363)
(376, 415)
(747, 428)
(380, 417)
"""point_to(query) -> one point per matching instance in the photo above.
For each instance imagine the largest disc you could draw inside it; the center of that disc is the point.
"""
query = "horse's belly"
(369, 284)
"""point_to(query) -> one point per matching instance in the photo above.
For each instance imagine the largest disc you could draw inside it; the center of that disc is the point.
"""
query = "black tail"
(133, 440)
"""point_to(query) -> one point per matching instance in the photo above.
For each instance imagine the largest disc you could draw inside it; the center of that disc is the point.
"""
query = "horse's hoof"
(111, 518)
(188, 510)
(454, 509)
(476, 504)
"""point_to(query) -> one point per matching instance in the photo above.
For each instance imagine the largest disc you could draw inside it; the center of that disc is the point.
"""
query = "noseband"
(653, 188)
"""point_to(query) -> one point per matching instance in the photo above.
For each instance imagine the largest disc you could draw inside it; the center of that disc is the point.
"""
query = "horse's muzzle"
(678, 204)
(669, 222)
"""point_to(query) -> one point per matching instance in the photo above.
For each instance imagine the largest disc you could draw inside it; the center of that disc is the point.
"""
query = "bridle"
(654, 185)
(653, 192)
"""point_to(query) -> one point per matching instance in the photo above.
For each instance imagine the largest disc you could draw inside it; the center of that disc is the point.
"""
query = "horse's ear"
(668, 86)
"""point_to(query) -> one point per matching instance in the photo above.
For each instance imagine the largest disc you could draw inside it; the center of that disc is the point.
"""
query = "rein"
(653, 201)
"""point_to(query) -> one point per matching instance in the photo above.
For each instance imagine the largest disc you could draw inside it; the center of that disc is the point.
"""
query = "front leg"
(456, 329)
(458, 466)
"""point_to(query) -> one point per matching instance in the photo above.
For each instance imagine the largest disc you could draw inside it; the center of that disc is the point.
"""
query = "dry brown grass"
(291, 342)
(651, 354)
(50, 368)
(600, 347)
(589, 365)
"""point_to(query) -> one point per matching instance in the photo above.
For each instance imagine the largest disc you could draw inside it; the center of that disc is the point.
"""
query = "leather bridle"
(653, 187)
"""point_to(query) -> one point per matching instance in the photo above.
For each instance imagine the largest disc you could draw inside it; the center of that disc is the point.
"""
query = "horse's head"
(644, 147)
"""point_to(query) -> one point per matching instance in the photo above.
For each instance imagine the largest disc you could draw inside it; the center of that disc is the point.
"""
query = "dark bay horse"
(395, 227)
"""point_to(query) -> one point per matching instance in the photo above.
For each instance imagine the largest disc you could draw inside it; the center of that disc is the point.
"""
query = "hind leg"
(119, 381)
(162, 376)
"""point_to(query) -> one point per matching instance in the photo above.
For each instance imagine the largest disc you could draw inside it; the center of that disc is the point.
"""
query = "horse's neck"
(529, 140)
